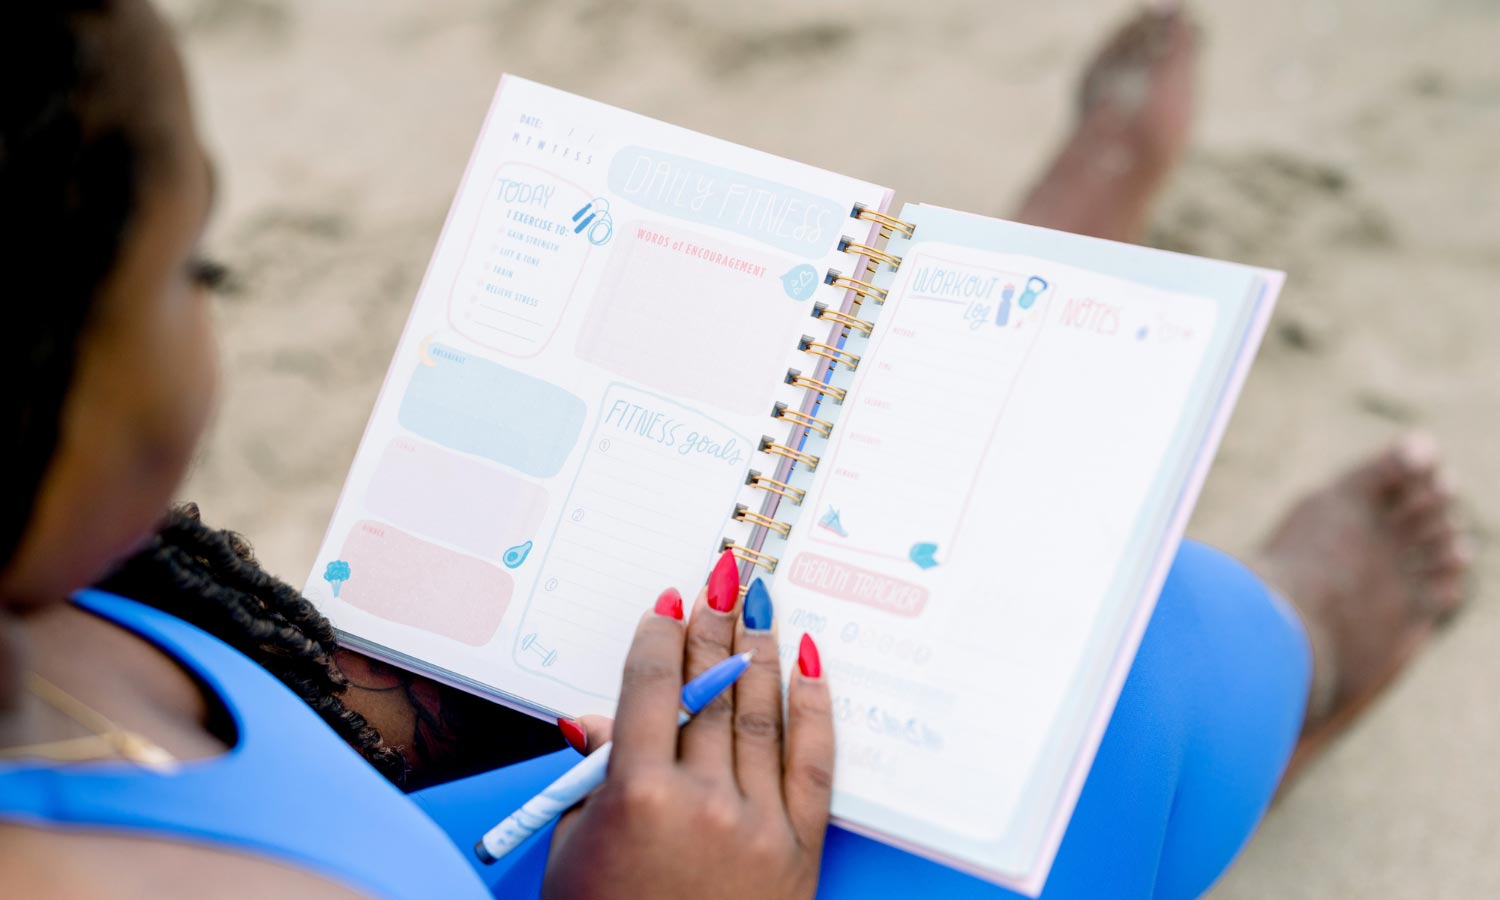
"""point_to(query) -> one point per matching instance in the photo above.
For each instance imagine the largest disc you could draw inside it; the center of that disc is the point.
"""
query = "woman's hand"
(726, 809)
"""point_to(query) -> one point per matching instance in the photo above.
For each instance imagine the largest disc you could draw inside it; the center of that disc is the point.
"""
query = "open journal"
(964, 450)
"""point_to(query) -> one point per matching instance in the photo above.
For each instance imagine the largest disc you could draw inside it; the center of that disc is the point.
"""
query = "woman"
(230, 784)
(141, 756)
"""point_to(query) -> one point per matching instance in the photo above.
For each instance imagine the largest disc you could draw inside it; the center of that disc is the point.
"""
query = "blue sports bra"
(289, 789)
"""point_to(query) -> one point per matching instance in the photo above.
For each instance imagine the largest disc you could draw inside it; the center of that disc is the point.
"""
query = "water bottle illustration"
(1034, 288)
(1002, 313)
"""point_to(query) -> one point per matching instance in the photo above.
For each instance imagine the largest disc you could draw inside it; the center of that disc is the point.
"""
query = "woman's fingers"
(757, 703)
(645, 729)
(565, 826)
(808, 780)
(587, 733)
(707, 742)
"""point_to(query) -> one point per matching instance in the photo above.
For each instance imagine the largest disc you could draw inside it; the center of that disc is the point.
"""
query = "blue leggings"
(1204, 727)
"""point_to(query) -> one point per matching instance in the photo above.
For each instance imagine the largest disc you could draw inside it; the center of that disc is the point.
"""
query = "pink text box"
(453, 498)
(857, 585)
(693, 316)
(406, 580)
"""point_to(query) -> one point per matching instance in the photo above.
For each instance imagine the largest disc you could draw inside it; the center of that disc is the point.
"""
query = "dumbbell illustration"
(548, 657)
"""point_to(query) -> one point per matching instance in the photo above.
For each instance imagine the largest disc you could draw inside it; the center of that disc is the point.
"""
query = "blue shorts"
(1204, 726)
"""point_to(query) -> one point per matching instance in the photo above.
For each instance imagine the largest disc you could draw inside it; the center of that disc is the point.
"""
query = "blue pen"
(576, 783)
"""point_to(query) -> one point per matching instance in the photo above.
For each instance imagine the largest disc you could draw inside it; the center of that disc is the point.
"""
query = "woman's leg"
(1204, 726)
(1135, 107)
(1216, 701)
(1205, 723)
(469, 807)
(1242, 666)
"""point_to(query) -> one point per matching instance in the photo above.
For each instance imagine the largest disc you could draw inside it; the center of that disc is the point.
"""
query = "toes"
(1440, 569)
(1407, 463)
(1435, 541)
(1453, 555)
(1412, 458)
(1445, 553)
(1445, 595)
(1151, 37)
(1416, 453)
(1423, 507)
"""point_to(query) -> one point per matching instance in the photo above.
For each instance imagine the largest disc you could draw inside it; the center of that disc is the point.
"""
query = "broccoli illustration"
(336, 573)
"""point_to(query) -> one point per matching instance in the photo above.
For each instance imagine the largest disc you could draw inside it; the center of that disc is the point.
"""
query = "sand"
(1354, 143)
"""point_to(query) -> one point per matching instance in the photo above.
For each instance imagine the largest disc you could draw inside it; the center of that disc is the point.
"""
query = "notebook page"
(985, 533)
(578, 395)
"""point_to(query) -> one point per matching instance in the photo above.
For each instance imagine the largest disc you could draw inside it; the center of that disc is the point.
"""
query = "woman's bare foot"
(1373, 562)
(1135, 109)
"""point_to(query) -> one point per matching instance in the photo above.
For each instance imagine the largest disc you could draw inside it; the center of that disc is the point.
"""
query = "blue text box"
(475, 406)
(780, 215)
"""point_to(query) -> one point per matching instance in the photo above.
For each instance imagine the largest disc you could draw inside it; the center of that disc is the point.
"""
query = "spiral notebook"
(962, 450)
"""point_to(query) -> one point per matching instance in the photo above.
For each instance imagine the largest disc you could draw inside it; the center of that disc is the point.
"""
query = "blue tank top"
(288, 789)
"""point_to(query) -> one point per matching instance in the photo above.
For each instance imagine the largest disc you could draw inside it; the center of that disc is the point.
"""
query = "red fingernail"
(574, 734)
(807, 658)
(724, 583)
(669, 604)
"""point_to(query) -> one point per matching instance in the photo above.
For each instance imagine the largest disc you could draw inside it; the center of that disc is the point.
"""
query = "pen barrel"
(554, 800)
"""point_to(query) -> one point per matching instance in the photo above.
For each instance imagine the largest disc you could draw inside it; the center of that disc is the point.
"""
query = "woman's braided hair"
(71, 160)
(209, 578)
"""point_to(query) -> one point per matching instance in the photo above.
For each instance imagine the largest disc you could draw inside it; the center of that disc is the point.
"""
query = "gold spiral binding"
(889, 225)
(826, 351)
(742, 513)
(871, 253)
(871, 258)
(754, 557)
(822, 426)
(860, 325)
(862, 288)
(797, 379)
(807, 459)
(780, 488)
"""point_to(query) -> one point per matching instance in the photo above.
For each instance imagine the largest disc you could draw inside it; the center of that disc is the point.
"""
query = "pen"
(576, 783)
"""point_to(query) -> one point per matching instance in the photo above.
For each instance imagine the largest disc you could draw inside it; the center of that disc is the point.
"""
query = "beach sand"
(1353, 143)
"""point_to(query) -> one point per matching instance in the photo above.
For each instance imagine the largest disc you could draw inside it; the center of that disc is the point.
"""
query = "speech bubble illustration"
(799, 282)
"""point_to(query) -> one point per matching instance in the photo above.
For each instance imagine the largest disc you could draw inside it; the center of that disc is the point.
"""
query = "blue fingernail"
(757, 607)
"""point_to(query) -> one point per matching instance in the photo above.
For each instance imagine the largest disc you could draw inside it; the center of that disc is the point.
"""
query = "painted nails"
(758, 610)
(669, 604)
(808, 662)
(574, 734)
(724, 583)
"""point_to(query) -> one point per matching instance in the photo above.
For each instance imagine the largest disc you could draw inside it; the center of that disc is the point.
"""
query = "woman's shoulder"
(44, 863)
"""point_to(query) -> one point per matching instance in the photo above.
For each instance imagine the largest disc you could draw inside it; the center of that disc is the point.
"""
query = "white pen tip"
(748, 655)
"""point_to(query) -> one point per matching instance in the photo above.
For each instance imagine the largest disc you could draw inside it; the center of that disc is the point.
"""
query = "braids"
(209, 578)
